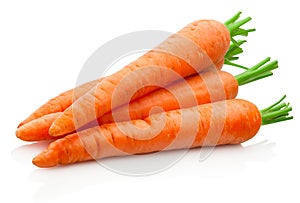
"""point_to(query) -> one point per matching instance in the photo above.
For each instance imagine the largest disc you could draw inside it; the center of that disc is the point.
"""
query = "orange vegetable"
(194, 90)
(193, 49)
(37, 129)
(224, 122)
(60, 102)
(234, 122)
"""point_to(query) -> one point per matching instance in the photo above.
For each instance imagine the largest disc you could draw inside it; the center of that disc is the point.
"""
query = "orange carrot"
(60, 102)
(234, 122)
(197, 47)
(37, 129)
(194, 90)
(193, 49)
(65, 99)
(199, 93)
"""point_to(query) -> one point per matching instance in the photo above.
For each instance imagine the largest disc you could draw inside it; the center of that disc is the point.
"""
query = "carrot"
(37, 129)
(64, 100)
(236, 121)
(196, 47)
(195, 90)
(60, 102)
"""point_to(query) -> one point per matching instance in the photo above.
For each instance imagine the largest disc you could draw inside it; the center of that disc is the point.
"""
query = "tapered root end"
(46, 159)
(27, 120)
(20, 125)
(61, 126)
(23, 134)
(56, 130)
(20, 134)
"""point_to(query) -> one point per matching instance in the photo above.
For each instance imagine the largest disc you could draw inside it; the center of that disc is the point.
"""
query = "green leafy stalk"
(233, 18)
(234, 26)
(261, 70)
(232, 54)
(277, 112)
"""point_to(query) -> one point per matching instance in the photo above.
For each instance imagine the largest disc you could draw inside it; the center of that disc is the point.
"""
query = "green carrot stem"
(228, 62)
(234, 50)
(277, 112)
(259, 77)
(233, 18)
(273, 105)
(243, 32)
(261, 63)
(261, 70)
(234, 26)
(232, 54)
(280, 106)
(276, 120)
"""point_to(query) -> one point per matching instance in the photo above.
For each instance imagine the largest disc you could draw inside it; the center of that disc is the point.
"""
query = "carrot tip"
(21, 135)
(20, 125)
(17, 133)
(61, 126)
(55, 131)
(38, 162)
(42, 161)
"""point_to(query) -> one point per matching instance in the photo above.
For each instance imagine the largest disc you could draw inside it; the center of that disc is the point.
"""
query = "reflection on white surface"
(228, 160)
(25, 153)
(62, 180)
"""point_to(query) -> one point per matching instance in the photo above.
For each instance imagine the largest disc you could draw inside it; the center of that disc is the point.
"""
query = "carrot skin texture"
(206, 43)
(242, 121)
(69, 144)
(202, 89)
(65, 99)
(60, 102)
(37, 129)
(192, 91)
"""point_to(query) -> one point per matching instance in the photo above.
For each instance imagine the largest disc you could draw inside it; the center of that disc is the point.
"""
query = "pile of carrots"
(115, 115)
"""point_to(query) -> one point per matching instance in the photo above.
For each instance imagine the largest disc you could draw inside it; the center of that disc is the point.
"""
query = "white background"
(43, 46)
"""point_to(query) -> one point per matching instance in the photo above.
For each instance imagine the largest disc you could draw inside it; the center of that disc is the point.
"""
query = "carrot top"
(234, 26)
(261, 70)
(277, 112)
(232, 54)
